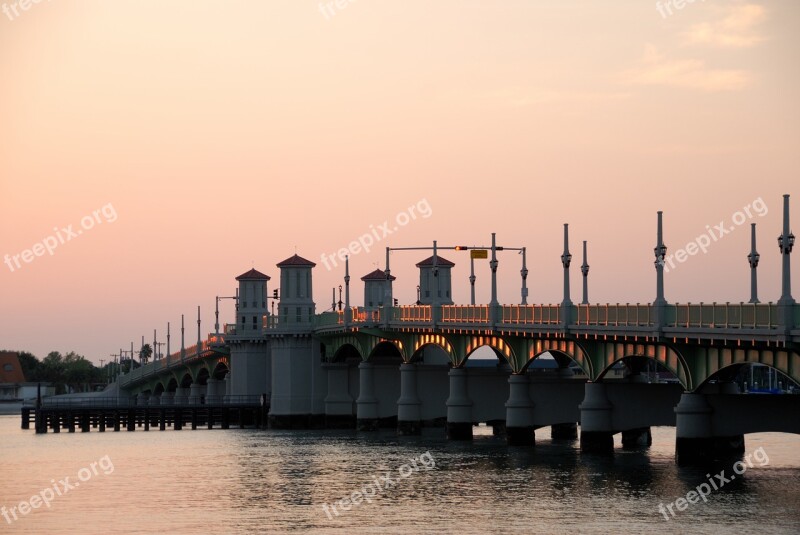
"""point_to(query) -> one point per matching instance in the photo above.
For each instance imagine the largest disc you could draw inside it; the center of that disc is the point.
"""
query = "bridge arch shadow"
(756, 377)
(635, 356)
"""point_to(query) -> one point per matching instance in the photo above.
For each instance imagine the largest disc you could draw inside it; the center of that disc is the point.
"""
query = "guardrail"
(412, 313)
(619, 315)
(465, 313)
(725, 315)
(532, 314)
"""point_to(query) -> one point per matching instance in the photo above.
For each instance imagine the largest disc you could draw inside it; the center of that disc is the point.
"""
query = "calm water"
(249, 481)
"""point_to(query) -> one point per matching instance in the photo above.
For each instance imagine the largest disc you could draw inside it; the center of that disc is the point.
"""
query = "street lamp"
(340, 297)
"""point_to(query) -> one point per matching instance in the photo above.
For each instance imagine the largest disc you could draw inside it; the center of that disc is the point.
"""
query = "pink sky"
(228, 135)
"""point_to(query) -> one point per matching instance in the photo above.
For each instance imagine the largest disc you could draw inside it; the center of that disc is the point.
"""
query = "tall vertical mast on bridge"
(168, 341)
(347, 312)
(786, 242)
(183, 345)
(753, 259)
(524, 273)
(199, 338)
(660, 252)
(566, 259)
(585, 273)
(493, 265)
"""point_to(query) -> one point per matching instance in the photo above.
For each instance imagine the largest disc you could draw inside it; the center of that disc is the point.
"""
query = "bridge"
(409, 366)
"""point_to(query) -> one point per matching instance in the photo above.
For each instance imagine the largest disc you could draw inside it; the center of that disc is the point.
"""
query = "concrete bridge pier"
(196, 391)
(519, 412)
(181, 396)
(338, 402)
(367, 403)
(227, 389)
(597, 435)
(215, 391)
(155, 400)
(695, 442)
(142, 398)
(409, 420)
(459, 406)
(167, 398)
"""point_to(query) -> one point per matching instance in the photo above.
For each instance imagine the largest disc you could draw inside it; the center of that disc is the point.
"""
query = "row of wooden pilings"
(129, 418)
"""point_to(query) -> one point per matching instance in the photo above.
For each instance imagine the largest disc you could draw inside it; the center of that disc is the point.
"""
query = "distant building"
(12, 380)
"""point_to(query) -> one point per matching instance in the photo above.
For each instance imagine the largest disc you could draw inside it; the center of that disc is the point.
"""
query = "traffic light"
(275, 293)
(395, 301)
(461, 248)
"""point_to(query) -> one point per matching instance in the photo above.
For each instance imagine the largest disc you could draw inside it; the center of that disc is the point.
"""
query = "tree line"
(68, 373)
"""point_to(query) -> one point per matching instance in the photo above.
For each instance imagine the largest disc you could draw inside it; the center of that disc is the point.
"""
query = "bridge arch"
(186, 380)
(387, 348)
(202, 375)
(220, 370)
(347, 353)
(562, 351)
(438, 340)
(501, 349)
(158, 389)
(665, 356)
(172, 384)
(731, 373)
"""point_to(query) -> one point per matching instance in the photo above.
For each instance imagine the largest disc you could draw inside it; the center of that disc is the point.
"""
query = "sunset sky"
(221, 136)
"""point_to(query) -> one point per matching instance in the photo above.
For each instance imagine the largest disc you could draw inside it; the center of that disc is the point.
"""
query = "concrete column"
(142, 398)
(154, 400)
(338, 402)
(519, 412)
(367, 403)
(167, 398)
(596, 432)
(408, 406)
(695, 442)
(227, 395)
(196, 391)
(181, 396)
(211, 391)
(459, 406)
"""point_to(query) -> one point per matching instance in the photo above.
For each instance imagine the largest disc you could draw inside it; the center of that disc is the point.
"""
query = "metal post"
(566, 259)
(168, 353)
(660, 252)
(524, 273)
(199, 341)
(183, 345)
(472, 279)
(216, 317)
(348, 314)
(585, 272)
(753, 259)
(435, 271)
(786, 242)
(493, 265)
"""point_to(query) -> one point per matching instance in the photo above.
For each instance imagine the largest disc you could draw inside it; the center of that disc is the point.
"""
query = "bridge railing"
(726, 315)
(532, 314)
(412, 313)
(623, 315)
(465, 314)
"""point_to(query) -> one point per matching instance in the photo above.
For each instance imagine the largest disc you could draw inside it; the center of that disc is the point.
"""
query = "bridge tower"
(377, 290)
(250, 373)
(435, 286)
(298, 393)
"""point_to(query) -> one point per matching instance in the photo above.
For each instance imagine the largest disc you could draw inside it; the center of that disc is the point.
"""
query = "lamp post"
(753, 259)
(216, 311)
(786, 243)
(566, 259)
(660, 252)
(585, 273)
